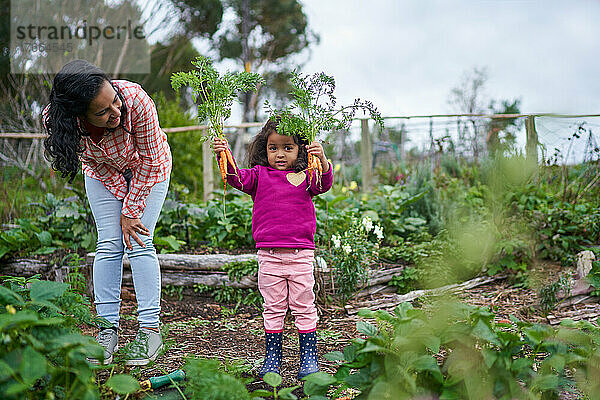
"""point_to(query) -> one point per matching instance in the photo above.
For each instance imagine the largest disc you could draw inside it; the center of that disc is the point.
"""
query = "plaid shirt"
(144, 151)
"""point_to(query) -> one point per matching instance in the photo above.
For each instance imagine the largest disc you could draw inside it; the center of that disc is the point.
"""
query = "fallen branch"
(389, 302)
(587, 313)
(189, 270)
(191, 262)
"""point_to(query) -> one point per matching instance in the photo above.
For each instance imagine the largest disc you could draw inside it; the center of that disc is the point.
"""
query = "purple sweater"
(283, 214)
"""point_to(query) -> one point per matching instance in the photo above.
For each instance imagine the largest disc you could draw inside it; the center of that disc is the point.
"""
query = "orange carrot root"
(223, 166)
(230, 159)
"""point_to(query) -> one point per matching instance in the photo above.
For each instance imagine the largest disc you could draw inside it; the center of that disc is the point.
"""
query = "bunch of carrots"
(225, 157)
(314, 164)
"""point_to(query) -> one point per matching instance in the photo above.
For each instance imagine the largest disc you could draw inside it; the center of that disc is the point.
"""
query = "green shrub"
(456, 351)
(43, 353)
(199, 225)
(63, 223)
(350, 253)
(186, 147)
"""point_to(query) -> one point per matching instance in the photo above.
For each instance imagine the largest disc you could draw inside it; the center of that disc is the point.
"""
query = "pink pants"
(285, 278)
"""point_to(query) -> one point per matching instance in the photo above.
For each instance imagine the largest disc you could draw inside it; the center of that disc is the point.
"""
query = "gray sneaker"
(144, 348)
(109, 339)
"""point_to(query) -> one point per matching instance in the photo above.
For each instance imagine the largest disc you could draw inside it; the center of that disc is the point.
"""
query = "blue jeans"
(108, 263)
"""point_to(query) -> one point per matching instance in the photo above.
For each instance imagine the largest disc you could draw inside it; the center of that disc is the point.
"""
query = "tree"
(501, 132)
(470, 97)
(264, 37)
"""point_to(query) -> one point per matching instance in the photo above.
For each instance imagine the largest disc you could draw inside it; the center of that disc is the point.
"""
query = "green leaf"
(483, 331)
(557, 362)
(350, 353)
(46, 290)
(5, 370)
(45, 238)
(33, 365)
(334, 356)
(123, 384)
(7, 296)
(14, 388)
(537, 333)
(312, 389)
(428, 363)
(286, 393)
(372, 347)
(20, 318)
(45, 250)
(546, 382)
(489, 357)
(261, 393)
(321, 378)
(432, 342)
(521, 364)
(272, 379)
(366, 328)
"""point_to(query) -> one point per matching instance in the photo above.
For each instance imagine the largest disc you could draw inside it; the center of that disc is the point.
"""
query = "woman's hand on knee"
(131, 227)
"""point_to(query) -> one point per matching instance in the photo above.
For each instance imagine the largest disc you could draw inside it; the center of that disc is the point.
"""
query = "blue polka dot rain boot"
(309, 364)
(273, 342)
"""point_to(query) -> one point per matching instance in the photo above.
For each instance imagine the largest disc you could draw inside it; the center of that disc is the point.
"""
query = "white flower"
(347, 248)
(378, 231)
(336, 241)
(367, 223)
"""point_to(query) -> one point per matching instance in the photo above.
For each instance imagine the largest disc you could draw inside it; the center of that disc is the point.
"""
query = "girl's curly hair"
(257, 151)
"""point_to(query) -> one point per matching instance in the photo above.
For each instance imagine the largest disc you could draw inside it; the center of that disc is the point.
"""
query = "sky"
(406, 56)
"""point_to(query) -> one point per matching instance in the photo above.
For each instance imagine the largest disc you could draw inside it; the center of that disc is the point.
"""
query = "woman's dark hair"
(257, 151)
(73, 89)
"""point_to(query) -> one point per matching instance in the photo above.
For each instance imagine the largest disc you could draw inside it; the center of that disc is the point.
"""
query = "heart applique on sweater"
(296, 178)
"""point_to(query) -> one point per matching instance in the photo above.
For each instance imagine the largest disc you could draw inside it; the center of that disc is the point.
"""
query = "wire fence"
(556, 139)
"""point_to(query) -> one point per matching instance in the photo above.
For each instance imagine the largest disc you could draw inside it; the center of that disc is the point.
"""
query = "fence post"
(532, 140)
(208, 178)
(366, 155)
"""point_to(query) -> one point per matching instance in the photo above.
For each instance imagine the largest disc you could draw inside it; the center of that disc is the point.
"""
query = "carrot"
(319, 166)
(230, 159)
(310, 167)
(223, 166)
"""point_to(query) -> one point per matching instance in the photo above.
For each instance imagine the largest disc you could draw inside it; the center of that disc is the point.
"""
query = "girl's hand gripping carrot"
(317, 157)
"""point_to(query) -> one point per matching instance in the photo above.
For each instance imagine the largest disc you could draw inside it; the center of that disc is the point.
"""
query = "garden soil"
(196, 325)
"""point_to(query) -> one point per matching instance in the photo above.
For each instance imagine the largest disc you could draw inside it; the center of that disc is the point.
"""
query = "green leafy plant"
(549, 294)
(175, 291)
(231, 295)
(239, 269)
(405, 281)
(64, 223)
(456, 351)
(167, 244)
(43, 353)
(313, 107)
(274, 380)
(349, 255)
(209, 379)
(313, 110)
(214, 94)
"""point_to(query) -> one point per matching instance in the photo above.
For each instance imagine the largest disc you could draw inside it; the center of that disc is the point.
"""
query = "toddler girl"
(283, 227)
